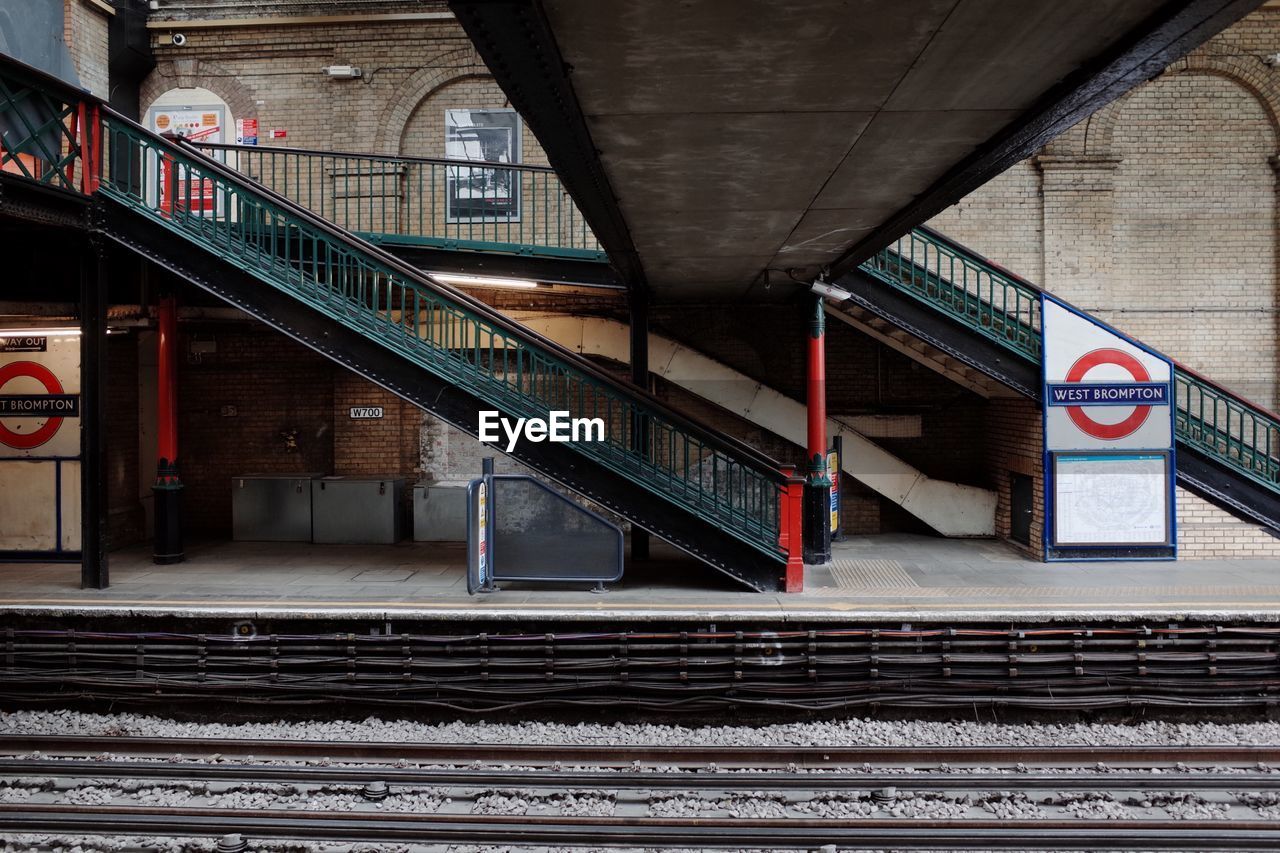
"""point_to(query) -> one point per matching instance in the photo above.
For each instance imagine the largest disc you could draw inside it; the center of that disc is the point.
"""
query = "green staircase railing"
(422, 201)
(1005, 308)
(442, 330)
(40, 131)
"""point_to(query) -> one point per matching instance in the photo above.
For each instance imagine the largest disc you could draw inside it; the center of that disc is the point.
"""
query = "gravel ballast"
(847, 732)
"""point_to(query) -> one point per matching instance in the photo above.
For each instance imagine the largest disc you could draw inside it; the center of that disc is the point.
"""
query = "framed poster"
(1111, 499)
(482, 193)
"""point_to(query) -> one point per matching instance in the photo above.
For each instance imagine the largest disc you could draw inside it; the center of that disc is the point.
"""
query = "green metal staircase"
(715, 498)
(1229, 448)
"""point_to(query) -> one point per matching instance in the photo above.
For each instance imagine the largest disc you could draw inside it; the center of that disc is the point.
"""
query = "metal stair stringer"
(940, 332)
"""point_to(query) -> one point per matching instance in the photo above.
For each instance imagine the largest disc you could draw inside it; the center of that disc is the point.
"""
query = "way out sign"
(1109, 442)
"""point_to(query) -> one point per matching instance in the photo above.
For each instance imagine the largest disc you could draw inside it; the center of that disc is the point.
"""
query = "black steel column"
(640, 376)
(94, 572)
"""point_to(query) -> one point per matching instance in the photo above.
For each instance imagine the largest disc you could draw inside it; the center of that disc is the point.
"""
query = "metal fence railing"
(988, 300)
(455, 204)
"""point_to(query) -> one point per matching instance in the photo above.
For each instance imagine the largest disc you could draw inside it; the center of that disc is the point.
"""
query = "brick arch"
(451, 67)
(188, 73)
(1240, 69)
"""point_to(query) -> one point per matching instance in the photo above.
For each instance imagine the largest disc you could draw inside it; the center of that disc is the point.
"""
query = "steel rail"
(614, 831)
(626, 780)
(610, 755)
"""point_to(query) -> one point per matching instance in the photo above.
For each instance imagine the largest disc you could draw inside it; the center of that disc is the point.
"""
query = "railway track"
(626, 832)
(773, 797)
(929, 780)
(611, 755)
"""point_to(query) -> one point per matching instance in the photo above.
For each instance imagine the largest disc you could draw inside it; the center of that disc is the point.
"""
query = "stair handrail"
(962, 297)
(994, 267)
(983, 260)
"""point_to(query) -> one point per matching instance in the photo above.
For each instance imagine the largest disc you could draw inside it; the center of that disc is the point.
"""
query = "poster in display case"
(483, 193)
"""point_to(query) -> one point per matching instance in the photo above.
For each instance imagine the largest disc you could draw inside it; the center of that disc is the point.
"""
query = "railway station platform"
(884, 579)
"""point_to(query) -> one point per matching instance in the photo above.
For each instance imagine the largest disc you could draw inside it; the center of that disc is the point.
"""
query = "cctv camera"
(178, 39)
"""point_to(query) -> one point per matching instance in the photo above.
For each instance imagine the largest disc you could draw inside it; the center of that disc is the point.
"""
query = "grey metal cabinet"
(439, 513)
(271, 507)
(357, 510)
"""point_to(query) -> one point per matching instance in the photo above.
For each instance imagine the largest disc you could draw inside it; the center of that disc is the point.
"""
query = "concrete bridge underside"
(722, 149)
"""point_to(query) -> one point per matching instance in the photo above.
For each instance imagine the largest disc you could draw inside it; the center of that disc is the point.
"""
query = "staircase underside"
(952, 509)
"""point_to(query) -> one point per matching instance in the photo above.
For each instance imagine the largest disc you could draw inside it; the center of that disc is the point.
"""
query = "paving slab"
(892, 578)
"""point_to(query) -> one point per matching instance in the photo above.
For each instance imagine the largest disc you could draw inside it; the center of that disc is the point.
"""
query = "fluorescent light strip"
(484, 281)
(39, 333)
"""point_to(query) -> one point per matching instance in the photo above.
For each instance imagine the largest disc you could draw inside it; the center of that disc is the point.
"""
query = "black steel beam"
(441, 398)
(1172, 32)
(941, 332)
(27, 202)
(639, 327)
(516, 42)
(94, 570)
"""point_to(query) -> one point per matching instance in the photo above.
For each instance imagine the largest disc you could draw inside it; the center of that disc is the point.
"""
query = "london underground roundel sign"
(1080, 415)
(1102, 391)
(43, 375)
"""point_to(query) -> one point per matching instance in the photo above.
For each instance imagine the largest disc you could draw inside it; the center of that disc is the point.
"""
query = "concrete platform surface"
(880, 578)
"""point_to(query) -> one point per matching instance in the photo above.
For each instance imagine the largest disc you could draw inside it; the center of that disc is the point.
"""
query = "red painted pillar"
(168, 487)
(817, 500)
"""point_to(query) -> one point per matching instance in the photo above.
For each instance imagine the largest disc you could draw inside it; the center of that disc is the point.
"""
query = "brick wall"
(1159, 212)
(85, 34)
(126, 521)
(259, 404)
(1206, 532)
(1002, 220)
(412, 71)
(1014, 446)
(1195, 230)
